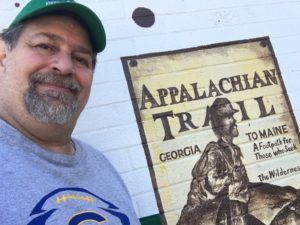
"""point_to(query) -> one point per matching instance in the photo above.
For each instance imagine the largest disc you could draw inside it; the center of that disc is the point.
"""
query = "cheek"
(85, 82)
(225, 123)
(15, 78)
(21, 66)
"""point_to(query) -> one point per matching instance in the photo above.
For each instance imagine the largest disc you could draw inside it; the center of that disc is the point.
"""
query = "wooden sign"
(219, 134)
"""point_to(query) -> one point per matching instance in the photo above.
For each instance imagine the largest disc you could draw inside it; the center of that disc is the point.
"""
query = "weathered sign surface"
(219, 134)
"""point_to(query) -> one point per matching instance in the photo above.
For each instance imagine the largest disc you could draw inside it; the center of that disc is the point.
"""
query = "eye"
(44, 47)
(82, 61)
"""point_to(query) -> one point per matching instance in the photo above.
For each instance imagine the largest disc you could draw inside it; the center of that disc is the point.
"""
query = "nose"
(63, 64)
(234, 120)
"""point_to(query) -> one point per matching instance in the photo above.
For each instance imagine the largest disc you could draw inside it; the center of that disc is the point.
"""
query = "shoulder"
(87, 148)
(210, 156)
(96, 161)
(212, 145)
(212, 148)
(106, 178)
(91, 152)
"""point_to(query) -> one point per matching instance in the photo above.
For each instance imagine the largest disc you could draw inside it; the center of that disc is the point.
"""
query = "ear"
(3, 52)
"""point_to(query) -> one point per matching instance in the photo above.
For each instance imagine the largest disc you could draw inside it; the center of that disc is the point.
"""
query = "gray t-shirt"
(39, 187)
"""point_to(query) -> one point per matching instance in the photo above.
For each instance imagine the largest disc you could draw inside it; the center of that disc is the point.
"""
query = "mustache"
(52, 78)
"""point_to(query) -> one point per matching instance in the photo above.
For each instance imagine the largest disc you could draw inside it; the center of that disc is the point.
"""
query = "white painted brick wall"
(109, 124)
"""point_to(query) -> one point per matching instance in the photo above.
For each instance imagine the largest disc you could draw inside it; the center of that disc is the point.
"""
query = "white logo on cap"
(51, 2)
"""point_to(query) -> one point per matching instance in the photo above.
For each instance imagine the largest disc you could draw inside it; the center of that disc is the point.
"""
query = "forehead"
(67, 27)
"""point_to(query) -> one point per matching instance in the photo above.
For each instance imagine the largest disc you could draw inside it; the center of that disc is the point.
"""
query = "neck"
(52, 137)
(67, 149)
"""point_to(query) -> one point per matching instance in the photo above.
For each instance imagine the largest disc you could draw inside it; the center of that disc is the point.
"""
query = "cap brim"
(235, 110)
(86, 16)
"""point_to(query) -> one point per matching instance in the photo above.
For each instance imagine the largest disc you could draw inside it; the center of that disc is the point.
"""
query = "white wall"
(108, 122)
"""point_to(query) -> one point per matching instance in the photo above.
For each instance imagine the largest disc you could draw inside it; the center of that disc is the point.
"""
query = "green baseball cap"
(85, 15)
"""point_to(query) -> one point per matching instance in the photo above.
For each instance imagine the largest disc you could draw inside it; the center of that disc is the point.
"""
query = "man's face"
(228, 126)
(48, 74)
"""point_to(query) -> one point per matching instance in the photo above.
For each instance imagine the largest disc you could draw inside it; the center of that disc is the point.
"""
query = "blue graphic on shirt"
(87, 216)
(42, 215)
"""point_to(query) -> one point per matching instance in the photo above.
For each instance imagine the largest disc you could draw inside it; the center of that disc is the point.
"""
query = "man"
(219, 176)
(47, 61)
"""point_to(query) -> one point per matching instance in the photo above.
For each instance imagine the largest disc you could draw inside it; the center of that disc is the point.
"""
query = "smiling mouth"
(53, 83)
(54, 87)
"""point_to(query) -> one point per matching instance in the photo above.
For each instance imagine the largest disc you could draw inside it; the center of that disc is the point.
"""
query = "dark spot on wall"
(143, 17)
(17, 4)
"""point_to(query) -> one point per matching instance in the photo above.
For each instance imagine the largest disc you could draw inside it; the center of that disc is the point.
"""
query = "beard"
(234, 131)
(52, 106)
